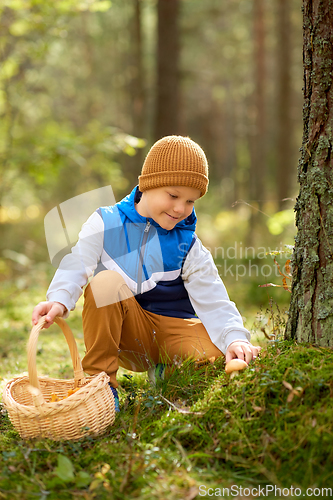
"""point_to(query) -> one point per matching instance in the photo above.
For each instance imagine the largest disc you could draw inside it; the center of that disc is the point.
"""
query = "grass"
(270, 427)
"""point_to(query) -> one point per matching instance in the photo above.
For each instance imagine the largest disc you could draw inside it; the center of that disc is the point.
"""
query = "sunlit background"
(87, 86)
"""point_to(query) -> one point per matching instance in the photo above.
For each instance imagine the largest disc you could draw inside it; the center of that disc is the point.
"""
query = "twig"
(181, 410)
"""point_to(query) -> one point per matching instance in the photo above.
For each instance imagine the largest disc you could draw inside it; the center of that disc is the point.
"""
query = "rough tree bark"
(311, 307)
(167, 99)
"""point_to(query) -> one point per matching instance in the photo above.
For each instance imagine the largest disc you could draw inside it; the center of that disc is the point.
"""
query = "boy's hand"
(242, 350)
(51, 309)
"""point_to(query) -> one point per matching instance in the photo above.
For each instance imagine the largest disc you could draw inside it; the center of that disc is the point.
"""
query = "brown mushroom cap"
(235, 365)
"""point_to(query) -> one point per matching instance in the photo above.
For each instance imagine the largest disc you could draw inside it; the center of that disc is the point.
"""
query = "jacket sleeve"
(78, 266)
(210, 299)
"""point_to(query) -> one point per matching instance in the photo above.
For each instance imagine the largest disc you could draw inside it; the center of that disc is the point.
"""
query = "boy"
(156, 296)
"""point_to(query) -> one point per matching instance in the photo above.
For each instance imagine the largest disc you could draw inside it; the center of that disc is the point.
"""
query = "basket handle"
(32, 350)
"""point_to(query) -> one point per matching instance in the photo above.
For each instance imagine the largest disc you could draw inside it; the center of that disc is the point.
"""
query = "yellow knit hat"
(175, 161)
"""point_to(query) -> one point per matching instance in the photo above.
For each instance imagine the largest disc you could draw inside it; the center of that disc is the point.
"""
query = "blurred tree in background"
(168, 75)
(86, 86)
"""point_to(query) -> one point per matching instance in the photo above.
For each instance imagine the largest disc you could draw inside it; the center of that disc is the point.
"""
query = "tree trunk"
(132, 164)
(88, 57)
(284, 157)
(258, 135)
(258, 157)
(167, 93)
(311, 307)
(138, 79)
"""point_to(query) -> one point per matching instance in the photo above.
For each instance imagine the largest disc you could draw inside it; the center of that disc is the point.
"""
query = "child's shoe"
(156, 373)
(116, 398)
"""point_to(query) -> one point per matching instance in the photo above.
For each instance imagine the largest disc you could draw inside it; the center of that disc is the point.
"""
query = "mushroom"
(234, 366)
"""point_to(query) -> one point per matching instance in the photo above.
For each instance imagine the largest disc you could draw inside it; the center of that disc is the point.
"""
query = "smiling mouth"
(171, 217)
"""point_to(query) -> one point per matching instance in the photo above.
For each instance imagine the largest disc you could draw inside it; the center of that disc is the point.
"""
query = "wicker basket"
(88, 411)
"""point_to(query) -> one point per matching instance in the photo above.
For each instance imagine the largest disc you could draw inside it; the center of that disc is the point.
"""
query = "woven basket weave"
(86, 412)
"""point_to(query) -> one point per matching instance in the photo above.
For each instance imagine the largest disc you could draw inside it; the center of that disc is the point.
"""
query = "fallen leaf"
(192, 493)
(290, 397)
(287, 267)
(287, 385)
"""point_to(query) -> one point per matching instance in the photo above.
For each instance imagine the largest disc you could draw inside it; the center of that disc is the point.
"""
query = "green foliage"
(64, 469)
(280, 220)
(51, 141)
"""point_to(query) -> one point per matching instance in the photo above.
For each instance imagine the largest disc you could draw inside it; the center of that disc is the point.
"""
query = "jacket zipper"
(141, 255)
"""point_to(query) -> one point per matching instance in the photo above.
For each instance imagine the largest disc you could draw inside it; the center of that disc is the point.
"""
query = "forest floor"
(266, 433)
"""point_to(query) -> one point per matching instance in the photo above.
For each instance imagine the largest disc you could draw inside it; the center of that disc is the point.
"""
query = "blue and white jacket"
(169, 272)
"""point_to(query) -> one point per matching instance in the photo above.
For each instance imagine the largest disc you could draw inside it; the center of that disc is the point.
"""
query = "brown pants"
(118, 332)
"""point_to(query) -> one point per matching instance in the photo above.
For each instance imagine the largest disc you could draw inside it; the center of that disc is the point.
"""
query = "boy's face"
(168, 205)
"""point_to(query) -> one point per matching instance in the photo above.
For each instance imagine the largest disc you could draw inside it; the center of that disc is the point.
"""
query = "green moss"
(247, 431)
(197, 428)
